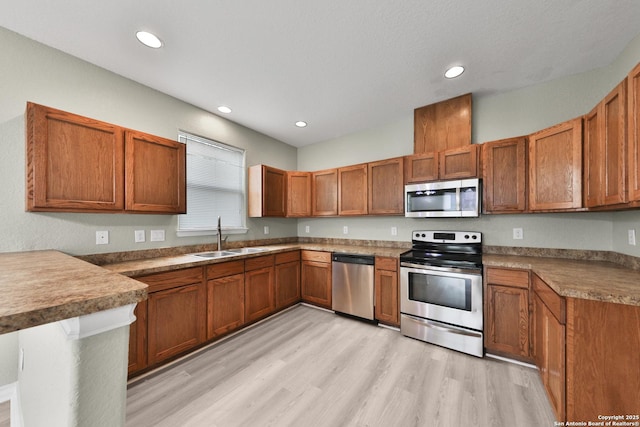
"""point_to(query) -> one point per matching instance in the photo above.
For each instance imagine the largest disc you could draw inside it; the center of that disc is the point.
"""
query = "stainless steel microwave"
(459, 198)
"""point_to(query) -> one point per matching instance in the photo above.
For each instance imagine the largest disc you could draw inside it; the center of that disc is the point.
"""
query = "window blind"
(215, 186)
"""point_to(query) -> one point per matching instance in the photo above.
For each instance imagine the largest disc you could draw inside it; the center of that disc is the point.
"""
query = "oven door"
(453, 297)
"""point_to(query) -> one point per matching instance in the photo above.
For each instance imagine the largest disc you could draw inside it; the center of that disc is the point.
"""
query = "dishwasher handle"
(353, 259)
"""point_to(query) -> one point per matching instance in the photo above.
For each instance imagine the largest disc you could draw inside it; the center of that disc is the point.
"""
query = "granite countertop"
(162, 264)
(46, 286)
(583, 279)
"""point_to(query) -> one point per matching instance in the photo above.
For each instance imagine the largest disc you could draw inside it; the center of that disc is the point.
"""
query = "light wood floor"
(307, 367)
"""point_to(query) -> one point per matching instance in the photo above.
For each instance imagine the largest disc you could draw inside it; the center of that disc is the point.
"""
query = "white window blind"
(215, 187)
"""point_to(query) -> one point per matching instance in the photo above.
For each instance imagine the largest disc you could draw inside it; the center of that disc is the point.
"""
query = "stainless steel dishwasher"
(352, 285)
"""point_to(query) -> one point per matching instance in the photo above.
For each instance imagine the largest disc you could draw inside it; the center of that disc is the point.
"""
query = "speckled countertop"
(46, 286)
(583, 279)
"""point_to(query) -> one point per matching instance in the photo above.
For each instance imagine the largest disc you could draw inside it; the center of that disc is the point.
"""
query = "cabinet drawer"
(287, 257)
(316, 256)
(259, 262)
(554, 302)
(225, 269)
(508, 277)
(172, 279)
(389, 264)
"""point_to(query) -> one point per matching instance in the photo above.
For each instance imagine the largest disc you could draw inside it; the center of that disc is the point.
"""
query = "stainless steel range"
(441, 290)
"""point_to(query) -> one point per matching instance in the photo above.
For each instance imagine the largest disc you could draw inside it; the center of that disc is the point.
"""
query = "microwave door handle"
(458, 199)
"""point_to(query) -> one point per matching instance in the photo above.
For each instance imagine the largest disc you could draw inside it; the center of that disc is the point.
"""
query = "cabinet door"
(421, 168)
(386, 289)
(555, 361)
(287, 279)
(633, 109)
(555, 167)
(352, 190)
(176, 321)
(225, 304)
(138, 339)
(593, 159)
(267, 191)
(324, 188)
(505, 175)
(259, 291)
(459, 163)
(74, 163)
(508, 320)
(299, 194)
(316, 278)
(386, 187)
(155, 174)
(443, 125)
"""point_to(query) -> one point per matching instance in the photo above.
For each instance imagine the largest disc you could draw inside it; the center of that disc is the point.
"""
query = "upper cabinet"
(386, 187)
(633, 110)
(324, 190)
(298, 194)
(555, 167)
(605, 142)
(267, 191)
(443, 125)
(505, 175)
(458, 163)
(352, 190)
(78, 164)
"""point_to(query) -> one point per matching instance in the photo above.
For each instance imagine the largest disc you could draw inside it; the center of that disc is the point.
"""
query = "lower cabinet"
(259, 288)
(316, 278)
(225, 298)
(138, 339)
(287, 279)
(507, 313)
(549, 343)
(176, 312)
(386, 290)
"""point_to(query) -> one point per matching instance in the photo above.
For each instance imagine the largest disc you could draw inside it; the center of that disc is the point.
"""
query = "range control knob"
(466, 236)
(474, 237)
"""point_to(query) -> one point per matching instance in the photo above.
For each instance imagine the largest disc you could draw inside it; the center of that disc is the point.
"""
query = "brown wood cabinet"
(457, 163)
(298, 194)
(155, 179)
(287, 279)
(352, 190)
(387, 308)
(259, 287)
(443, 125)
(507, 312)
(324, 189)
(176, 312)
(267, 192)
(555, 167)
(421, 168)
(386, 187)
(316, 278)
(550, 345)
(504, 175)
(633, 110)
(138, 339)
(605, 143)
(78, 164)
(225, 298)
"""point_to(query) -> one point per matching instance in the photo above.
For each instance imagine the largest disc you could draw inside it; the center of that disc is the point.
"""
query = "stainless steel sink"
(215, 254)
(246, 250)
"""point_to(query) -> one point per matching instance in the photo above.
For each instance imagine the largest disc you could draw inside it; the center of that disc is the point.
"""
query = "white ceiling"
(340, 65)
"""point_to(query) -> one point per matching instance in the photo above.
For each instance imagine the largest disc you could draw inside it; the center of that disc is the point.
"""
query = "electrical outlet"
(518, 234)
(266, 229)
(102, 237)
(345, 230)
(139, 236)
(307, 229)
(632, 237)
(157, 235)
(394, 231)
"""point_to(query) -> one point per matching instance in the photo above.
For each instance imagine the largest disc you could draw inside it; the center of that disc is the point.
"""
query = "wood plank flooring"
(307, 367)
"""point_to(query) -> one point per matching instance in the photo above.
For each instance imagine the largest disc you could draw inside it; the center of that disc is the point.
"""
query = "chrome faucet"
(220, 239)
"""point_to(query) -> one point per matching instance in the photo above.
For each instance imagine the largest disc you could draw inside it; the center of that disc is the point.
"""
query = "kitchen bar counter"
(582, 279)
(41, 287)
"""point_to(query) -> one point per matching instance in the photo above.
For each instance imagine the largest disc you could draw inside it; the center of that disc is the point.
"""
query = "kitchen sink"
(215, 254)
(246, 250)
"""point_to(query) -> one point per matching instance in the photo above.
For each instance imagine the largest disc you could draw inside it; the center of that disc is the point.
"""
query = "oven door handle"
(444, 269)
(451, 329)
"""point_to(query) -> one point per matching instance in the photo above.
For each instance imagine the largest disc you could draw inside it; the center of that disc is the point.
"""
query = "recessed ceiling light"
(224, 109)
(301, 124)
(454, 72)
(148, 39)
